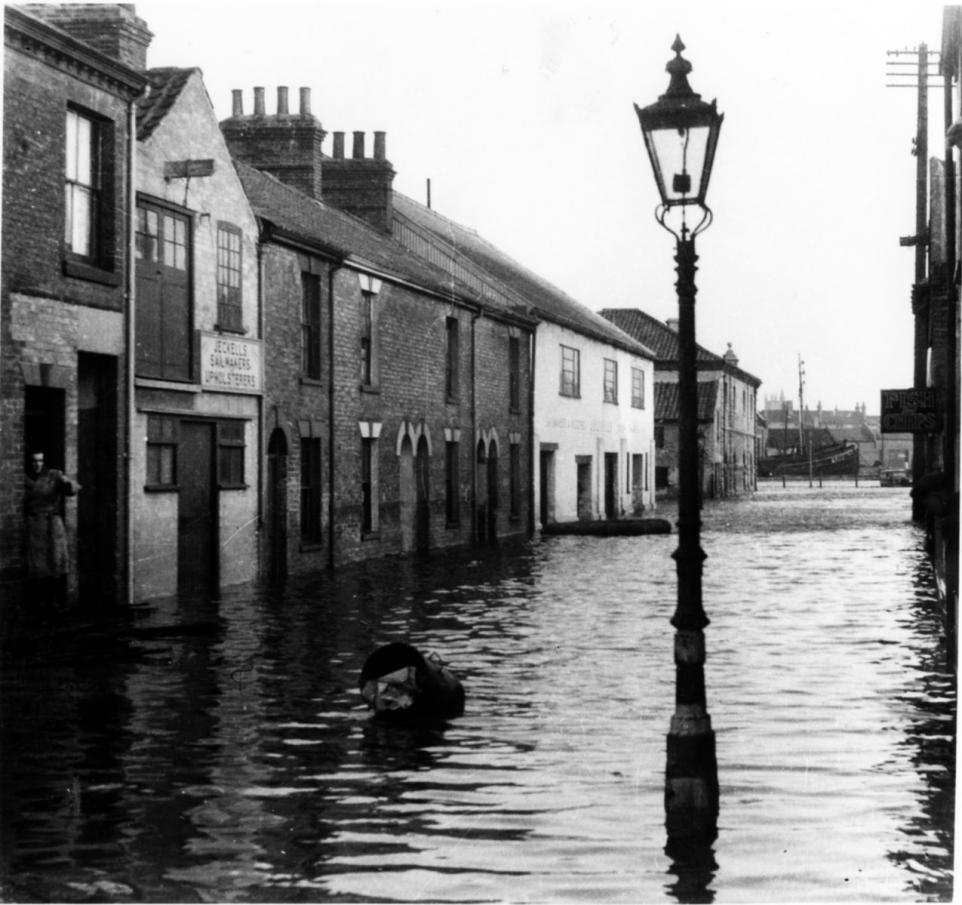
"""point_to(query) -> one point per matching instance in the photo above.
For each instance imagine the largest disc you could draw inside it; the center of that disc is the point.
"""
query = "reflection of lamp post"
(681, 132)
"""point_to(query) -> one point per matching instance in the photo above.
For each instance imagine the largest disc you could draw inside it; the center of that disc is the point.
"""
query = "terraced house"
(397, 417)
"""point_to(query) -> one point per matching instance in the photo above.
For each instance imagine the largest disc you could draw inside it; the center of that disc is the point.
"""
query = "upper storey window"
(82, 232)
(229, 312)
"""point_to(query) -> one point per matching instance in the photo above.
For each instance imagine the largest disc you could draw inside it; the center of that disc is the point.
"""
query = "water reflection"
(224, 753)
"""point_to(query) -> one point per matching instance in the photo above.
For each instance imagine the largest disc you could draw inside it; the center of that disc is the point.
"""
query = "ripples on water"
(241, 765)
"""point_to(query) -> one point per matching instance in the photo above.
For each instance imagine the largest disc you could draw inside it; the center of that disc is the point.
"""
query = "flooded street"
(236, 762)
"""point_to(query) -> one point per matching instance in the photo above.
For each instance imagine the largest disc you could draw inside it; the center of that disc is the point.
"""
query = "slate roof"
(547, 301)
(340, 234)
(163, 88)
(666, 400)
(655, 334)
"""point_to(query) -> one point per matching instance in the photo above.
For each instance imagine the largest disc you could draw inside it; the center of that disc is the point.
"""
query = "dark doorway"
(197, 518)
(422, 470)
(44, 425)
(492, 493)
(276, 505)
(98, 539)
(546, 487)
(611, 485)
(584, 487)
(481, 494)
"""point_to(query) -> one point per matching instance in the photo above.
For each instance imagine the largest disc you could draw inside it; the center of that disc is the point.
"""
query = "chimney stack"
(358, 152)
(338, 145)
(288, 147)
(112, 28)
(380, 146)
(362, 186)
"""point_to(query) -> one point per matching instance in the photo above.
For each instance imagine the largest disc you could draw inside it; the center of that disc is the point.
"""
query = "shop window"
(162, 438)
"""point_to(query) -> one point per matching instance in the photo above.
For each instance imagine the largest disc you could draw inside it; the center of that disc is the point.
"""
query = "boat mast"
(801, 402)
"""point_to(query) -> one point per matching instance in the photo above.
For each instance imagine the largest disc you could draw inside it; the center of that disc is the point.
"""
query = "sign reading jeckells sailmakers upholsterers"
(231, 364)
(912, 411)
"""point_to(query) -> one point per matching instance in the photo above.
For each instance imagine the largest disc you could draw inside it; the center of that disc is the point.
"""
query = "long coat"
(46, 537)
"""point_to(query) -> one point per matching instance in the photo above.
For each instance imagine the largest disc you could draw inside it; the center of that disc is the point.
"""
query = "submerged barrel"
(399, 683)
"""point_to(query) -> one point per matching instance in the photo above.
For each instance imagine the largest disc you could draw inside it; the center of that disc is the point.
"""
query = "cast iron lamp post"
(681, 132)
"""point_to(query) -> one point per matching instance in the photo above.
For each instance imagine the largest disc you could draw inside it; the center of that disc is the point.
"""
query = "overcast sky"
(521, 116)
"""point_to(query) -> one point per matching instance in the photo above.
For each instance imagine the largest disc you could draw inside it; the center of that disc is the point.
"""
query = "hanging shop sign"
(912, 411)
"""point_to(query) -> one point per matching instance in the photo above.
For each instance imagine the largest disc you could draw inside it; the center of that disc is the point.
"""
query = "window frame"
(570, 372)
(228, 449)
(452, 327)
(452, 483)
(610, 381)
(75, 187)
(368, 363)
(514, 374)
(311, 319)
(163, 435)
(310, 485)
(230, 264)
(514, 481)
(637, 388)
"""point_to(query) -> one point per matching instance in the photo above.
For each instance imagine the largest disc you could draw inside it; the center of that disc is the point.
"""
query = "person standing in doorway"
(47, 558)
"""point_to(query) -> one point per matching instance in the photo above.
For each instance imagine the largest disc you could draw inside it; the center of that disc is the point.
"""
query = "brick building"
(66, 277)
(198, 357)
(727, 402)
(396, 417)
(593, 432)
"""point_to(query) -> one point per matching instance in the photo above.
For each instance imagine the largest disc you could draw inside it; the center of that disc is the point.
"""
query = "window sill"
(370, 535)
(313, 546)
(311, 381)
(158, 383)
(90, 272)
(570, 395)
(227, 328)
(611, 401)
(161, 488)
(233, 486)
(371, 388)
(452, 400)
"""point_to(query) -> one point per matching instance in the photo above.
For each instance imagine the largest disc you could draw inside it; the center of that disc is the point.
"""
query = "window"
(452, 483)
(514, 464)
(230, 454)
(637, 388)
(611, 381)
(367, 339)
(310, 490)
(368, 507)
(659, 436)
(514, 373)
(229, 311)
(161, 453)
(163, 293)
(83, 185)
(311, 325)
(451, 369)
(570, 372)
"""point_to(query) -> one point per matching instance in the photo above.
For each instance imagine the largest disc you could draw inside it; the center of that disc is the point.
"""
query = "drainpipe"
(129, 302)
(474, 429)
(330, 413)
(261, 427)
(532, 452)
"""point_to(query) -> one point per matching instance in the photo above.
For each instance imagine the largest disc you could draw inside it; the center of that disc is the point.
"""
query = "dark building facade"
(396, 412)
(66, 281)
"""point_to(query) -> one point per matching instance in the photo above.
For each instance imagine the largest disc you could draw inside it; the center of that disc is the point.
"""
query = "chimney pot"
(358, 145)
(282, 109)
(305, 101)
(238, 101)
(258, 102)
(338, 145)
(379, 146)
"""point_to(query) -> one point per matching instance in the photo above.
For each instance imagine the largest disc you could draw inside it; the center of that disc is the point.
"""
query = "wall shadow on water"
(930, 741)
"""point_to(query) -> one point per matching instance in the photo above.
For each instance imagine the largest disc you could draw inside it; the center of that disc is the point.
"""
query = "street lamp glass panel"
(678, 158)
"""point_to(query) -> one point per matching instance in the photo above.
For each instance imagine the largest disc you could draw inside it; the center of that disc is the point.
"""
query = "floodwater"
(234, 760)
